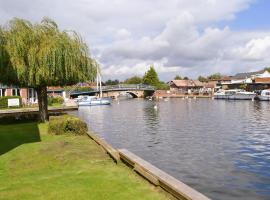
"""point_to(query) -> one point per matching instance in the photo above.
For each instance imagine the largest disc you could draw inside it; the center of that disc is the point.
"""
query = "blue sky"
(257, 16)
(185, 37)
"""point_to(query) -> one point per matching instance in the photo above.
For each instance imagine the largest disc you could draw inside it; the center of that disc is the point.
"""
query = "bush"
(4, 100)
(55, 100)
(67, 124)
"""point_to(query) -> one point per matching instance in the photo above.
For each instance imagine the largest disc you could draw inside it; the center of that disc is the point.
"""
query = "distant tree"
(177, 77)
(112, 82)
(163, 86)
(267, 69)
(186, 78)
(151, 77)
(133, 80)
(202, 79)
(40, 55)
(214, 76)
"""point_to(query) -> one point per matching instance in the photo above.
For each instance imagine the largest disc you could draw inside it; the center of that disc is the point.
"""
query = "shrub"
(4, 100)
(67, 124)
(55, 100)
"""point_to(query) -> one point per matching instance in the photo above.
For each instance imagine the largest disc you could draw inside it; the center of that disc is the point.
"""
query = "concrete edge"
(151, 173)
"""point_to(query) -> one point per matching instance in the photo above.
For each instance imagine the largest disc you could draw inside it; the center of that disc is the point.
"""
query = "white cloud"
(178, 36)
(254, 50)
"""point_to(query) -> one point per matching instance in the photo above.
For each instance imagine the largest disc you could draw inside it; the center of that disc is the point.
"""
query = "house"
(248, 78)
(28, 95)
(184, 86)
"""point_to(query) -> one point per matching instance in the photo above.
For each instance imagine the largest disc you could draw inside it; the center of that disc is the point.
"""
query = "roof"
(187, 83)
(55, 89)
(247, 74)
(210, 84)
(262, 80)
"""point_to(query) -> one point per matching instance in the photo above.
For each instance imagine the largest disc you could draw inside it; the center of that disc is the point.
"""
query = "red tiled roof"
(262, 80)
(187, 83)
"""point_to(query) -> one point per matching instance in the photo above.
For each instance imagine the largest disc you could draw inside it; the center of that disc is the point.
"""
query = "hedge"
(4, 100)
(67, 124)
(55, 100)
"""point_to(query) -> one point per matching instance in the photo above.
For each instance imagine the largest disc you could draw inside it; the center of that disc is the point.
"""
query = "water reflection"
(219, 147)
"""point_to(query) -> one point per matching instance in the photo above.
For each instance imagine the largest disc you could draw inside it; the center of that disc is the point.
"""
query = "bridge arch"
(134, 95)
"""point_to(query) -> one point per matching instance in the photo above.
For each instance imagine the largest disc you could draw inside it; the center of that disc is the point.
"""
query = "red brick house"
(28, 95)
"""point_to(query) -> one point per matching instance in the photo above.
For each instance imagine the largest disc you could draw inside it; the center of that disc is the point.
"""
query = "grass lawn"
(35, 165)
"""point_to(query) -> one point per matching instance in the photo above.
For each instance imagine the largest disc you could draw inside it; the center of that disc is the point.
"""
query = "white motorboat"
(265, 95)
(243, 95)
(93, 101)
(235, 94)
(224, 94)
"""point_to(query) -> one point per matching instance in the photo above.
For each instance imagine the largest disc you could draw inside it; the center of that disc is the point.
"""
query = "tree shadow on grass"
(15, 134)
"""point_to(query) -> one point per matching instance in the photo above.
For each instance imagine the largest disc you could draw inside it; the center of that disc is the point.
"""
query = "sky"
(185, 37)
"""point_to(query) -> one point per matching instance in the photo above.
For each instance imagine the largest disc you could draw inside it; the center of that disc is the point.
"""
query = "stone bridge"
(115, 90)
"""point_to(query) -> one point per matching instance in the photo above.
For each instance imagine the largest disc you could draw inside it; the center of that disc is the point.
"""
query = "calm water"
(221, 148)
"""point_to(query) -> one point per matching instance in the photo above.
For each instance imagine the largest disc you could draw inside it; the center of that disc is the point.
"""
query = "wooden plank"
(153, 179)
(169, 183)
(108, 148)
(10, 112)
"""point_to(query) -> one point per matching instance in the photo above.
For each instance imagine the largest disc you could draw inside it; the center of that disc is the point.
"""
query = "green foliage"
(133, 80)
(214, 76)
(177, 77)
(186, 78)
(4, 100)
(55, 100)
(162, 86)
(202, 79)
(34, 55)
(243, 86)
(151, 77)
(112, 82)
(267, 69)
(67, 124)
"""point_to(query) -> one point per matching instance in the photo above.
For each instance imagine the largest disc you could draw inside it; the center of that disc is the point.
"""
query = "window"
(2, 92)
(15, 92)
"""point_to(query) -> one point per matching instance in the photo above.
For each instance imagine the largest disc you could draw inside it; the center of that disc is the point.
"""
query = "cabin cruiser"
(224, 94)
(235, 94)
(243, 95)
(93, 101)
(265, 95)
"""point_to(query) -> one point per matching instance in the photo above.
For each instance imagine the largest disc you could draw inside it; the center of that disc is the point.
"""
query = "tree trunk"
(43, 103)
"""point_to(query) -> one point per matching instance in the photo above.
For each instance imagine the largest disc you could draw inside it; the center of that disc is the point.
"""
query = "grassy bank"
(35, 165)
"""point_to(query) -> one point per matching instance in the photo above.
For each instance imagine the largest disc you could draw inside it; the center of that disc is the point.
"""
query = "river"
(220, 148)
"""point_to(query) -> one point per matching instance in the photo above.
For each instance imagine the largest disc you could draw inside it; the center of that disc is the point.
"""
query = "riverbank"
(36, 165)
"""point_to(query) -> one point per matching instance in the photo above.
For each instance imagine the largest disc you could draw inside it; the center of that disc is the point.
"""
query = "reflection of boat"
(235, 94)
(265, 95)
(93, 101)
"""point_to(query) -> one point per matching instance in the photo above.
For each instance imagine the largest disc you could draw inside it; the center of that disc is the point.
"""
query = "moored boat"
(93, 101)
(224, 94)
(235, 94)
(243, 95)
(265, 95)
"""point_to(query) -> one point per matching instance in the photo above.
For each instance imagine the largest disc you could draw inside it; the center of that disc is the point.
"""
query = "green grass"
(36, 165)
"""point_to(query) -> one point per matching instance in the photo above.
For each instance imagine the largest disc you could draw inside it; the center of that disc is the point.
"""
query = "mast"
(100, 91)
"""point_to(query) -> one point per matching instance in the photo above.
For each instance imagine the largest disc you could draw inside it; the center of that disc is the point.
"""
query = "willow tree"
(41, 55)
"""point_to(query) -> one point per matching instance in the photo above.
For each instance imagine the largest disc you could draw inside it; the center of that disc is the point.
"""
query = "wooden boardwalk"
(24, 111)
